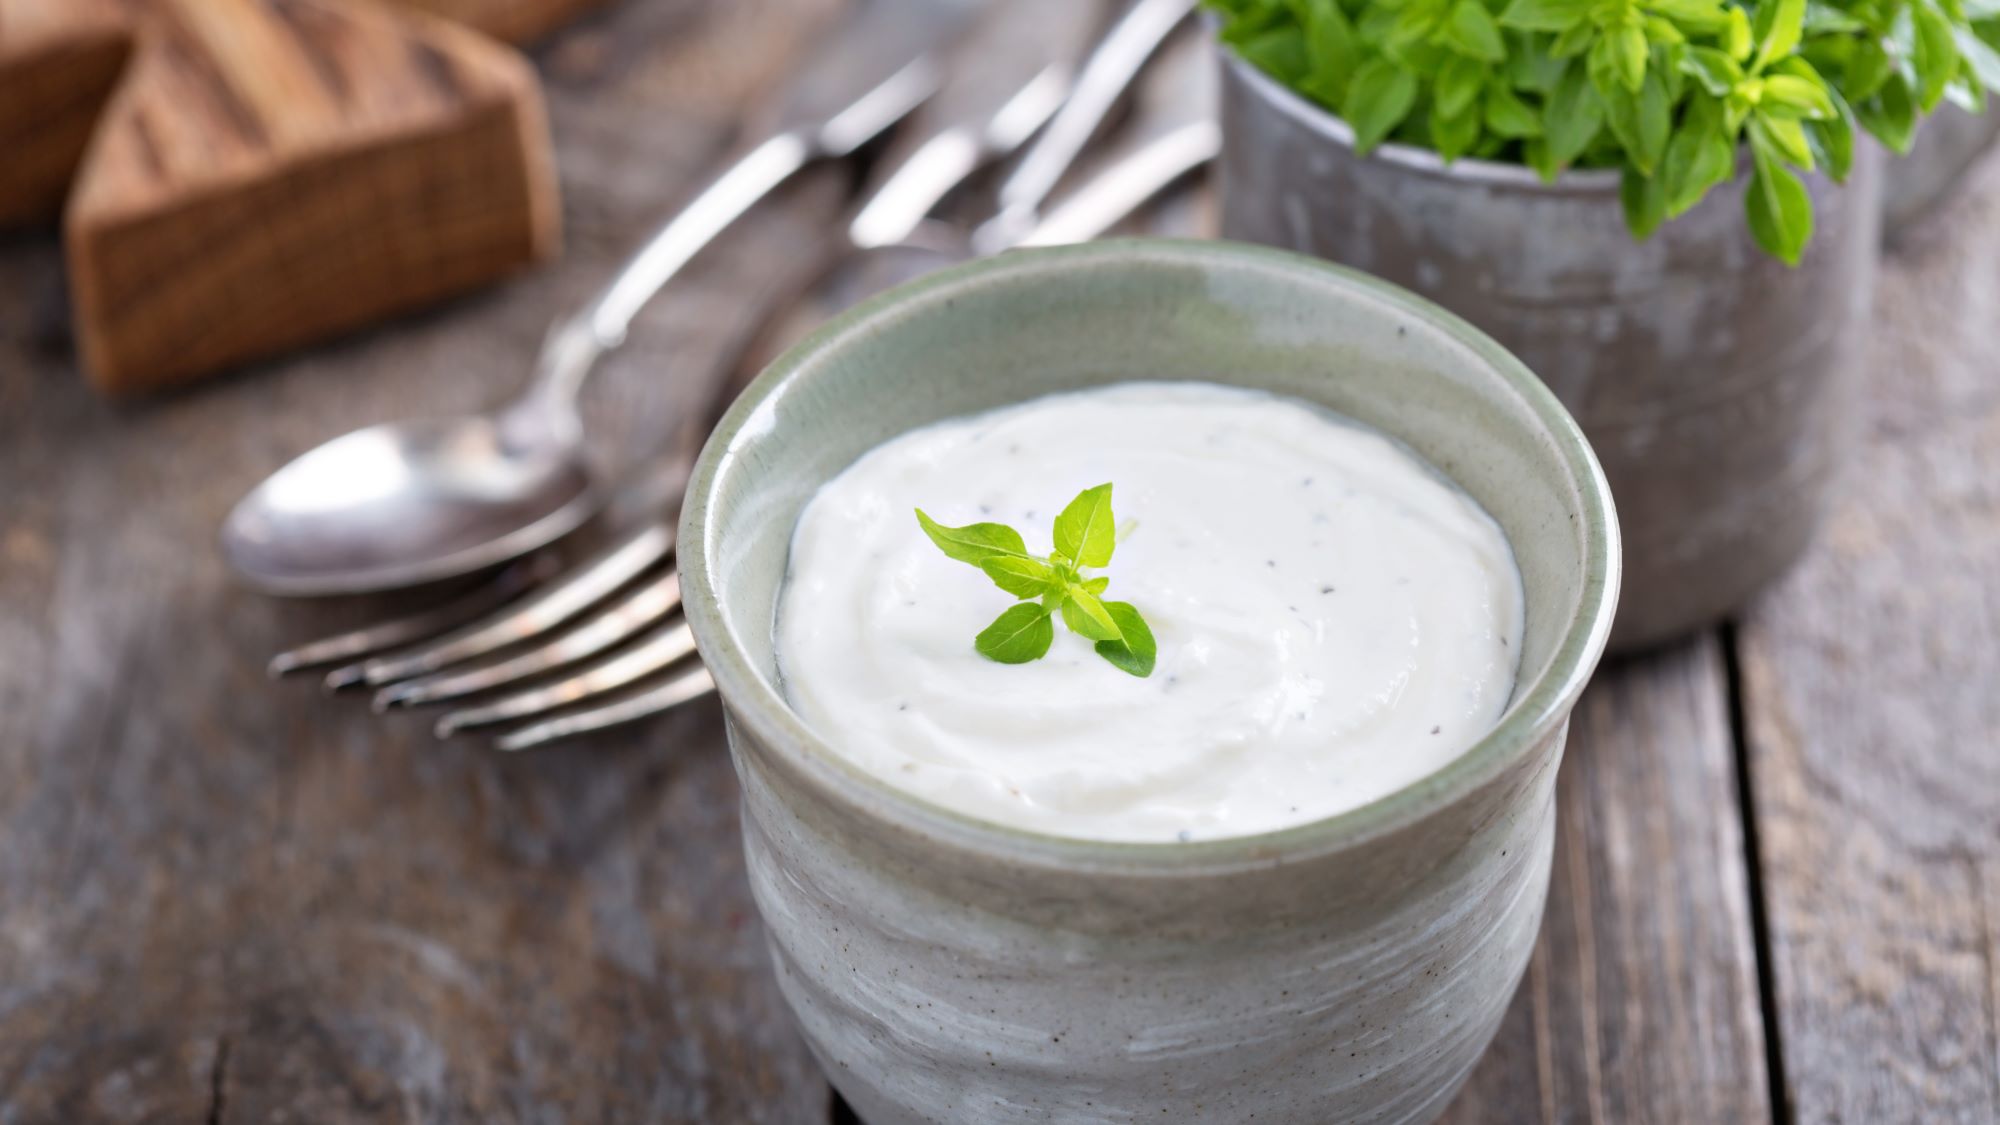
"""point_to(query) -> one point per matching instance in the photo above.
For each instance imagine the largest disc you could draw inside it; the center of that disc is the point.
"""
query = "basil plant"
(1666, 91)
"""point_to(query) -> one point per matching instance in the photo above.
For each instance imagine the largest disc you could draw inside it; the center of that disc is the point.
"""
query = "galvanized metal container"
(1712, 380)
(1948, 144)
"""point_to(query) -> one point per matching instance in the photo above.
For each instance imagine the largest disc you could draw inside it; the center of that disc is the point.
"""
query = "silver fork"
(628, 592)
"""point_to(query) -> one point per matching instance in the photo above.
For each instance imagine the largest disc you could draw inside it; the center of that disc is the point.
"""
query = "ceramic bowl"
(946, 969)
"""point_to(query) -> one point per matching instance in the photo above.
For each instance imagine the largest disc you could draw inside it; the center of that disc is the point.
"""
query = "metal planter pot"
(1948, 144)
(1712, 380)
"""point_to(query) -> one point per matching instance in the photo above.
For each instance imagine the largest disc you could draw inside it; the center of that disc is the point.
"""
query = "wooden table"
(1777, 875)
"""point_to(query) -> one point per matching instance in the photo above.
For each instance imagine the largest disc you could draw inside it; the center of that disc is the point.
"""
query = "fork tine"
(648, 656)
(692, 684)
(417, 626)
(644, 606)
(533, 616)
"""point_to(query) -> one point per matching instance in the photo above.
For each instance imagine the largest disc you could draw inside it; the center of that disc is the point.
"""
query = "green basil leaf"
(1645, 203)
(1698, 157)
(1508, 115)
(1573, 116)
(1023, 578)
(1891, 115)
(1457, 85)
(1470, 30)
(1135, 651)
(1778, 27)
(1779, 210)
(1737, 40)
(1085, 530)
(1280, 53)
(1833, 140)
(1966, 91)
(1378, 99)
(1640, 122)
(1545, 15)
(1659, 29)
(1097, 585)
(1020, 634)
(1825, 19)
(1784, 136)
(1795, 96)
(1530, 67)
(1414, 23)
(1867, 69)
(1537, 154)
(1087, 617)
(1936, 55)
(1629, 52)
(974, 543)
(1574, 42)
(1333, 49)
(1715, 70)
(1375, 23)
(1453, 137)
(1667, 59)
(1700, 17)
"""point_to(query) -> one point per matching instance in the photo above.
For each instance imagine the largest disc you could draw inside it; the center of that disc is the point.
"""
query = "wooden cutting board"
(246, 176)
(59, 60)
(516, 21)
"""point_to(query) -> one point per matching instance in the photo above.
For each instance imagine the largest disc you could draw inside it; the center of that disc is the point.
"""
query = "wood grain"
(1640, 1004)
(227, 900)
(272, 172)
(1872, 697)
(59, 60)
(516, 21)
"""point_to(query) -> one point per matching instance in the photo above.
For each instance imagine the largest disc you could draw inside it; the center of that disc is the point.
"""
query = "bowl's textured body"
(949, 970)
(1357, 985)
(1713, 381)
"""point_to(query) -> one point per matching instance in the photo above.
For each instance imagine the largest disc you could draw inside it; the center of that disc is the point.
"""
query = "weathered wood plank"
(1872, 700)
(1640, 1004)
(227, 900)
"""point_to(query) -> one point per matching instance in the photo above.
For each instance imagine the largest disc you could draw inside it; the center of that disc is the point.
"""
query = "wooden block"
(516, 21)
(273, 172)
(59, 60)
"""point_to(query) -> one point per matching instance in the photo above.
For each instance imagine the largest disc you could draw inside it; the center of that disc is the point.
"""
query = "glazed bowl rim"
(758, 708)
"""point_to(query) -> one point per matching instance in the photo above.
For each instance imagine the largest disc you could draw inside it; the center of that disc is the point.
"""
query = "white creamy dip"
(1334, 619)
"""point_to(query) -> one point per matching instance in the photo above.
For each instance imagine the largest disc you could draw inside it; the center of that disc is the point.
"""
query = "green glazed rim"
(760, 709)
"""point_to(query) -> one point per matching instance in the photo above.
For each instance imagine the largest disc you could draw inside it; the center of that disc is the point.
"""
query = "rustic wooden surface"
(1641, 1001)
(230, 901)
(1872, 698)
(227, 900)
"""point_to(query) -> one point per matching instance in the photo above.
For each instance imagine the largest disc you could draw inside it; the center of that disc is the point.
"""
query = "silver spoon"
(410, 502)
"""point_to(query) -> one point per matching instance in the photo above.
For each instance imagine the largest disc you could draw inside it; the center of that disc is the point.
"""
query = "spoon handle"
(575, 343)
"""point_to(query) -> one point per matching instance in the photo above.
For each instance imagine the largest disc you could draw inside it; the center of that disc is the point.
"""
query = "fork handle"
(1110, 69)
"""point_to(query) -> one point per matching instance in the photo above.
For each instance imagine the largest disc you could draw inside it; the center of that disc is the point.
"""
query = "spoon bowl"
(406, 503)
